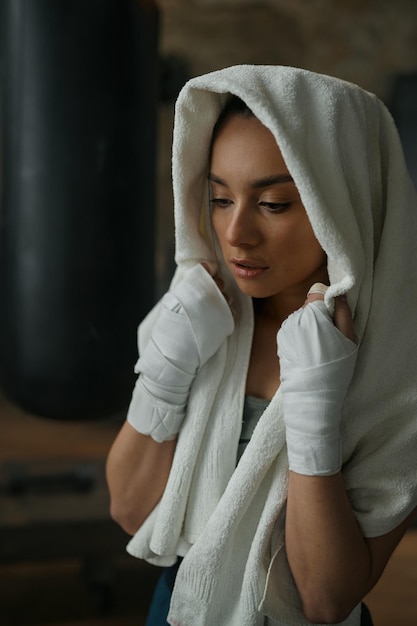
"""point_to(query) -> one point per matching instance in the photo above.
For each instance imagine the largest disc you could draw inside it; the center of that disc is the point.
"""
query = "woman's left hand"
(317, 359)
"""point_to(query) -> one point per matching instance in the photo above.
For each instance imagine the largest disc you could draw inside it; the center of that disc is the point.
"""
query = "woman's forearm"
(137, 472)
(333, 565)
(328, 556)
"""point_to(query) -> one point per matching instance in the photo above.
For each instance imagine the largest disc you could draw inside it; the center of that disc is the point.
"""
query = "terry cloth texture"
(343, 151)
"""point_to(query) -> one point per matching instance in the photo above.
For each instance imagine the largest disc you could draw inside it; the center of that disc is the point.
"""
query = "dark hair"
(233, 106)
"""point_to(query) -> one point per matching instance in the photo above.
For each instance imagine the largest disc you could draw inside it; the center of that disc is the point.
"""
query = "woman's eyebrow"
(275, 179)
(272, 180)
(215, 179)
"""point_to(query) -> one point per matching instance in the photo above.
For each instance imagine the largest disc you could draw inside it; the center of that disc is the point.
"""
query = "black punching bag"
(403, 107)
(77, 206)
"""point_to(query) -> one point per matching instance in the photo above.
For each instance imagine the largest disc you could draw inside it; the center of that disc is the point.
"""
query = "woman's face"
(261, 224)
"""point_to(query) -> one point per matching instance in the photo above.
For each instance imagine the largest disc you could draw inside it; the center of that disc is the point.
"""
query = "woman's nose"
(241, 229)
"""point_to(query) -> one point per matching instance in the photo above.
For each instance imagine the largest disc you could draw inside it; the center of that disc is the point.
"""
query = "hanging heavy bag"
(77, 207)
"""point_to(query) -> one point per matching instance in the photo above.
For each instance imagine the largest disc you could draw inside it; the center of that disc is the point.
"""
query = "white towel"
(343, 151)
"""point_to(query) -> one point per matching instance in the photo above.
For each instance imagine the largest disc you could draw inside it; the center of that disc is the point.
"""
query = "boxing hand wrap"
(317, 363)
(194, 321)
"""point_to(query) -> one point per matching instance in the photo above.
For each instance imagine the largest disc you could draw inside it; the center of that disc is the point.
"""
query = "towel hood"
(340, 145)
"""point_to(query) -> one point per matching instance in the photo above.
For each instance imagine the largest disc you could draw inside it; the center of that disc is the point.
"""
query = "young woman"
(268, 457)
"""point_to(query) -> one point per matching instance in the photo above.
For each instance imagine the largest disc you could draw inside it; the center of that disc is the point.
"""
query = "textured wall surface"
(359, 40)
(368, 42)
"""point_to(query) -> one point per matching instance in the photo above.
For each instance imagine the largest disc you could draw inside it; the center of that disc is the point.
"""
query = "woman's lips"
(247, 268)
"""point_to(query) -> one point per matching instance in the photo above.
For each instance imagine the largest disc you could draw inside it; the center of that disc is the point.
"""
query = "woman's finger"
(316, 292)
(343, 318)
(220, 284)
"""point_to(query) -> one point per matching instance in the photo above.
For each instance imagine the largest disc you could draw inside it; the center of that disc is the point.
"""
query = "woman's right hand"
(193, 322)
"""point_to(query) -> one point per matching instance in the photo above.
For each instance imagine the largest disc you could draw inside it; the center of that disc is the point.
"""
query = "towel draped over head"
(342, 149)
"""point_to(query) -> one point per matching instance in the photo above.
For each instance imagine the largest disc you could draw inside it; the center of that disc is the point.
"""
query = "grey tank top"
(252, 411)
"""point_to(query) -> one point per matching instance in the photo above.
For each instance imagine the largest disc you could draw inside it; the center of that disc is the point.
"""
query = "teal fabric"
(252, 411)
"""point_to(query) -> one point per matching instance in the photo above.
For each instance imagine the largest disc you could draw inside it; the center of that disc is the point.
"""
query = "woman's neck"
(279, 306)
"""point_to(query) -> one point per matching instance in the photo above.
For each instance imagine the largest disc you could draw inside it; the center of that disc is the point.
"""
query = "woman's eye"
(275, 207)
(220, 202)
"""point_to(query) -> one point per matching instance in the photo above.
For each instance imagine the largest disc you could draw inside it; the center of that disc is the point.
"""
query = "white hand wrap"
(317, 363)
(194, 321)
